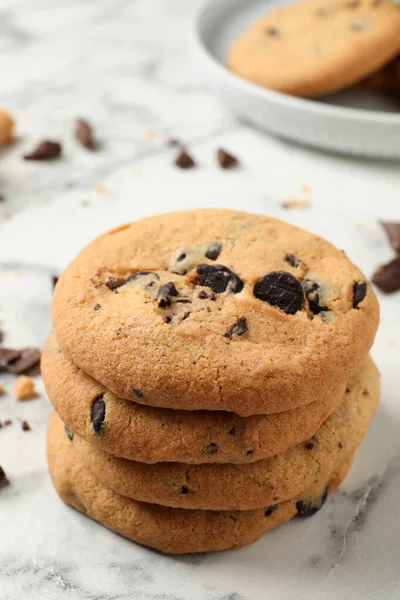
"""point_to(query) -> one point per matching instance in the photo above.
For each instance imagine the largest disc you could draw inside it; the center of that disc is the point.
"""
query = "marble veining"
(125, 66)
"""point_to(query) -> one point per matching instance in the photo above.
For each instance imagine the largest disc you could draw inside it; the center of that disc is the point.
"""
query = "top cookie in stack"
(215, 310)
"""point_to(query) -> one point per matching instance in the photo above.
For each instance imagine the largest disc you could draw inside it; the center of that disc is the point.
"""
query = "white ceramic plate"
(354, 121)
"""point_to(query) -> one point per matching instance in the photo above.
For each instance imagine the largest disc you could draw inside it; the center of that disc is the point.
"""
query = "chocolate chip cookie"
(319, 46)
(215, 310)
(247, 486)
(170, 530)
(150, 435)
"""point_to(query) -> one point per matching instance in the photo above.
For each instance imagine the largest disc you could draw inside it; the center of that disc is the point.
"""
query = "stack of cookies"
(210, 377)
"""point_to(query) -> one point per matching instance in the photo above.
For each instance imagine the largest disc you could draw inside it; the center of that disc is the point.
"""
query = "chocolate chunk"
(292, 260)
(307, 508)
(46, 150)
(181, 257)
(25, 426)
(97, 307)
(393, 232)
(173, 142)
(138, 393)
(232, 430)
(226, 160)
(7, 423)
(270, 509)
(165, 294)
(311, 289)
(7, 355)
(68, 433)
(112, 283)
(311, 444)
(282, 290)
(184, 160)
(98, 414)
(214, 250)
(28, 358)
(249, 452)
(203, 295)
(387, 277)
(218, 278)
(340, 445)
(54, 280)
(238, 328)
(272, 31)
(211, 449)
(184, 489)
(359, 292)
(3, 476)
(84, 134)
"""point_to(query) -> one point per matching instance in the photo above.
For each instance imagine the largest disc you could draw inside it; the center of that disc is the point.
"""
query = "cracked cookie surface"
(125, 315)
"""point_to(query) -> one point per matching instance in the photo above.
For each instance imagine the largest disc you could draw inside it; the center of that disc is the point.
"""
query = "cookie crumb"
(6, 127)
(358, 226)
(2, 390)
(99, 188)
(136, 172)
(149, 134)
(293, 202)
(24, 388)
(25, 426)
(305, 189)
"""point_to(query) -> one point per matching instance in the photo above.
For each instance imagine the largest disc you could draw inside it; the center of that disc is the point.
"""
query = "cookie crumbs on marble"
(24, 388)
(6, 127)
(293, 202)
(45, 150)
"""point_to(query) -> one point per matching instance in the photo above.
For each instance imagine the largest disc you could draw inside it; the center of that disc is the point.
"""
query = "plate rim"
(307, 105)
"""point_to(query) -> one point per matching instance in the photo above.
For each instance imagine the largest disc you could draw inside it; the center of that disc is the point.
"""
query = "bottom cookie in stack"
(171, 530)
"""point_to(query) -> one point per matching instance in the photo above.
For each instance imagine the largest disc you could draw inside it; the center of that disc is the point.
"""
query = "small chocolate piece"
(112, 283)
(97, 307)
(68, 433)
(3, 476)
(203, 295)
(292, 260)
(46, 150)
(184, 160)
(272, 31)
(307, 508)
(238, 328)
(25, 426)
(232, 430)
(7, 355)
(84, 134)
(218, 278)
(282, 290)
(184, 489)
(181, 257)
(359, 292)
(214, 250)
(226, 160)
(165, 294)
(311, 444)
(340, 445)
(2, 198)
(270, 509)
(98, 414)
(138, 393)
(28, 358)
(7, 423)
(311, 289)
(393, 232)
(54, 280)
(387, 277)
(211, 449)
(249, 452)
(173, 143)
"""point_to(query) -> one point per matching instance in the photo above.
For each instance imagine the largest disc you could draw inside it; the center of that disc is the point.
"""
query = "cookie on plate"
(170, 530)
(150, 435)
(317, 47)
(247, 486)
(215, 310)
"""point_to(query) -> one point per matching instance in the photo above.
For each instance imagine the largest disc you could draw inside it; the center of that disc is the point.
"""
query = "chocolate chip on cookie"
(270, 509)
(213, 250)
(238, 328)
(184, 490)
(311, 444)
(138, 393)
(219, 278)
(68, 433)
(292, 260)
(359, 292)
(307, 508)
(282, 290)
(272, 31)
(312, 291)
(98, 414)
(211, 449)
(165, 294)
(97, 306)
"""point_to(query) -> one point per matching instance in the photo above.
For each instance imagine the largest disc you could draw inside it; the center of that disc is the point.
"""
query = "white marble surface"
(123, 65)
